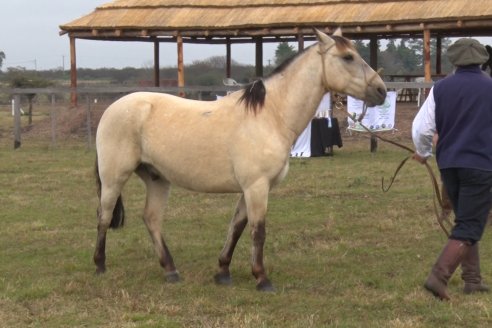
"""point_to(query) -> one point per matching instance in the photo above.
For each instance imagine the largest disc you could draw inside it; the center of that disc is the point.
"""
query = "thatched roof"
(209, 19)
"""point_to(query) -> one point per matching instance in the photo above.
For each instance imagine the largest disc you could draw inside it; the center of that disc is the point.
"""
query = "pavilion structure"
(260, 21)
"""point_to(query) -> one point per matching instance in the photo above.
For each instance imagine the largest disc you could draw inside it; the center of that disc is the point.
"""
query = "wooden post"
(427, 56)
(89, 123)
(438, 55)
(181, 79)
(73, 72)
(427, 59)
(374, 144)
(17, 122)
(373, 62)
(259, 57)
(300, 42)
(228, 58)
(157, 79)
(373, 52)
(53, 121)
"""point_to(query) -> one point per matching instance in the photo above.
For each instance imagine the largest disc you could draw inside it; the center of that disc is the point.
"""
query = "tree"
(2, 58)
(363, 49)
(283, 52)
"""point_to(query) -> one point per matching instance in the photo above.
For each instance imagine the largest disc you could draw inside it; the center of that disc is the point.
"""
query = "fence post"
(53, 121)
(89, 123)
(17, 122)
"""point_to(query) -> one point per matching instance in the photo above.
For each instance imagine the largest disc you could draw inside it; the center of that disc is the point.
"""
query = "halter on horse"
(237, 144)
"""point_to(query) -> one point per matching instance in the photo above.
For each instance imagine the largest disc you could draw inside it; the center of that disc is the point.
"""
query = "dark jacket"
(464, 119)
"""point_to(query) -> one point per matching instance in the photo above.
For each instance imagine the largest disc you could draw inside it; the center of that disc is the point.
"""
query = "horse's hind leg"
(157, 195)
(109, 196)
(236, 227)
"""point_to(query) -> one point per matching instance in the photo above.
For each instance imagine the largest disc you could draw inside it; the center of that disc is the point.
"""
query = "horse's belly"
(213, 183)
(198, 174)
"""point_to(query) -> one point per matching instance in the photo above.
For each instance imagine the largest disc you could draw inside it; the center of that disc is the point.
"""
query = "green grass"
(340, 252)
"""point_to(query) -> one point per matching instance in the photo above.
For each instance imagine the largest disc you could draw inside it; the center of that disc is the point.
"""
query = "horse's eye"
(348, 58)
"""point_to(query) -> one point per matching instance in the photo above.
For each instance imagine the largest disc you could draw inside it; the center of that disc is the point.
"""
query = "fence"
(56, 120)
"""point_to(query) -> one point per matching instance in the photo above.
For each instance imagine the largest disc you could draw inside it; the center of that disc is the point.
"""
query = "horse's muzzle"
(376, 95)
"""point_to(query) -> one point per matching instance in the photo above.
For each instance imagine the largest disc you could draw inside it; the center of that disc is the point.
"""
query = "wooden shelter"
(259, 21)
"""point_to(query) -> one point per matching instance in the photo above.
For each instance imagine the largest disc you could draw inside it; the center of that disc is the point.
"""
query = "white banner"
(377, 118)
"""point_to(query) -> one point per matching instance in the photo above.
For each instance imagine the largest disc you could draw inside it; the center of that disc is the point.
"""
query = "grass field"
(340, 252)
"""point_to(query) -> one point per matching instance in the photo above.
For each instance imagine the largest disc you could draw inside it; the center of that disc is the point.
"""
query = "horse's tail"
(119, 210)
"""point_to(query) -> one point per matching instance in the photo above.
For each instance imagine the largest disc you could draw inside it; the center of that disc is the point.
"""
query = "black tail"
(118, 219)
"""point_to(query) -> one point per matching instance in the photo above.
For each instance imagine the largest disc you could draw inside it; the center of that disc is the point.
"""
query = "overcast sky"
(29, 38)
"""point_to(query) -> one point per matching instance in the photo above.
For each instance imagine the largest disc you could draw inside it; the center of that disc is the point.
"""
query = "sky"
(29, 37)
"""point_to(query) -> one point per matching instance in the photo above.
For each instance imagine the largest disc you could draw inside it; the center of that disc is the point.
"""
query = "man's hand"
(418, 158)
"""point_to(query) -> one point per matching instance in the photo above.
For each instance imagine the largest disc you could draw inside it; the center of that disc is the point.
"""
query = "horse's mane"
(254, 93)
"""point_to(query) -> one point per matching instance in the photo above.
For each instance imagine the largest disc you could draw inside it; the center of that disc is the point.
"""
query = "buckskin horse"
(237, 144)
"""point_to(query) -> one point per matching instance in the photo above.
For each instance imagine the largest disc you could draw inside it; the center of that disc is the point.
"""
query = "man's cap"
(467, 51)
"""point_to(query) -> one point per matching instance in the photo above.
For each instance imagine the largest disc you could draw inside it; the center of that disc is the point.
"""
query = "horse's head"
(344, 70)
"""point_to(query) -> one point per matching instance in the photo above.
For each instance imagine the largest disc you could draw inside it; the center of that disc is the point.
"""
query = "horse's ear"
(322, 37)
(338, 32)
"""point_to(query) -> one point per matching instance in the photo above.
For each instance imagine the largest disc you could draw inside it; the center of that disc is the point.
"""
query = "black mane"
(254, 96)
(254, 93)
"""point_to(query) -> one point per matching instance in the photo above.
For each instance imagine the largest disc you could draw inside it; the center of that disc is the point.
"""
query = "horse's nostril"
(382, 92)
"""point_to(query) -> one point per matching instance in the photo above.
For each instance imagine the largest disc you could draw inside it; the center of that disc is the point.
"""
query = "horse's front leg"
(256, 198)
(236, 228)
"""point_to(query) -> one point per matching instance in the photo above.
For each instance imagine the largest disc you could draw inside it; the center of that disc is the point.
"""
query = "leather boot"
(450, 258)
(470, 267)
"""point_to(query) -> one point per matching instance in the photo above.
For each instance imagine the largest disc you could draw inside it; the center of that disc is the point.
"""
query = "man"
(459, 110)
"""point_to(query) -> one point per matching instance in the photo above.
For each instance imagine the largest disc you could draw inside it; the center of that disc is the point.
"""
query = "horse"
(237, 144)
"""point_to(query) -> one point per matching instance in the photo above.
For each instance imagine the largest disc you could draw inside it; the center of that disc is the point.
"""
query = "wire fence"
(49, 117)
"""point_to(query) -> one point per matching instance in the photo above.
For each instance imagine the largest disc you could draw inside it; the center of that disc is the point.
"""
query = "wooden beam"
(157, 79)
(259, 56)
(461, 27)
(73, 72)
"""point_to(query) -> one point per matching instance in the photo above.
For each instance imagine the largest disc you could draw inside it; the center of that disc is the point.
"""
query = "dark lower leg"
(225, 257)
(166, 261)
(100, 252)
(258, 269)
(236, 228)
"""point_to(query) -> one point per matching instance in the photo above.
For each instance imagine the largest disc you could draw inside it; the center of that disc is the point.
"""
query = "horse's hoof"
(265, 286)
(223, 279)
(172, 277)
(100, 270)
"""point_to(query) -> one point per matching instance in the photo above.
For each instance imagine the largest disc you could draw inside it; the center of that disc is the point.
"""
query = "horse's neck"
(297, 91)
